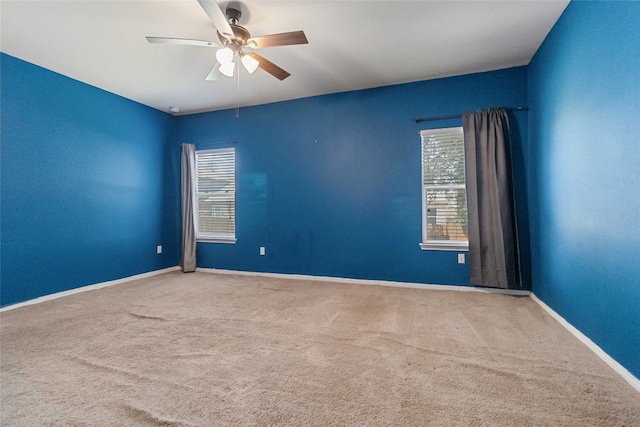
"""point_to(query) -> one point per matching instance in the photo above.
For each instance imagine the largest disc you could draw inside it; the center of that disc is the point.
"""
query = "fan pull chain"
(237, 85)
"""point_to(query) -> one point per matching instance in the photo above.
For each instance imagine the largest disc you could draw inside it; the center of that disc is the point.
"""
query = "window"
(216, 195)
(444, 197)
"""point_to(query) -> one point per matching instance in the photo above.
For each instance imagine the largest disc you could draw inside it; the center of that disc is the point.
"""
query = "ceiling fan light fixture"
(250, 63)
(224, 56)
(233, 39)
(227, 68)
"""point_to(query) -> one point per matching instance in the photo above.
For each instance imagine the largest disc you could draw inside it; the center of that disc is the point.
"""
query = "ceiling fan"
(233, 40)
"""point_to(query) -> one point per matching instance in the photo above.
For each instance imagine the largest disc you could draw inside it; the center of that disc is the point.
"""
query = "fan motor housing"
(241, 35)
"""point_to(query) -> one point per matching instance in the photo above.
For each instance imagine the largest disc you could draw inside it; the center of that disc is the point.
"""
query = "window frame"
(212, 238)
(439, 245)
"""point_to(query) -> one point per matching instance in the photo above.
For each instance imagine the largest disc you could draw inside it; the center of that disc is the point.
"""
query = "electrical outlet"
(460, 258)
(159, 249)
(262, 250)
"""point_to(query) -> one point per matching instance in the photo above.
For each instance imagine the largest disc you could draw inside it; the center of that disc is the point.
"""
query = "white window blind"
(444, 223)
(216, 194)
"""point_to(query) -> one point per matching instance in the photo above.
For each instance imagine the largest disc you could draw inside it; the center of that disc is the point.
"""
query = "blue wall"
(584, 94)
(87, 185)
(330, 185)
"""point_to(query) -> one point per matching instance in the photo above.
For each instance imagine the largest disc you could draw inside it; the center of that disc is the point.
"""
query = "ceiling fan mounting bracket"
(233, 15)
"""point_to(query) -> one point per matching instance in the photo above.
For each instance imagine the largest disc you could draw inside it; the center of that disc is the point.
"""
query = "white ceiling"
(352, 45)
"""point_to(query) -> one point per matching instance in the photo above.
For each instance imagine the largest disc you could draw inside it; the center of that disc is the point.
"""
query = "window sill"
(216, 240)
(441, 246)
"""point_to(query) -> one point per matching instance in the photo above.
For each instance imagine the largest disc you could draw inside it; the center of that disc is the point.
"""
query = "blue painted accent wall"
(584, 94)
(331, 185)
(86, 186)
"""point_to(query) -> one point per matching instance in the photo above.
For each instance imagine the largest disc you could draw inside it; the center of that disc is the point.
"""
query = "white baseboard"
(87, 288)
(369, 282)
(621, 370)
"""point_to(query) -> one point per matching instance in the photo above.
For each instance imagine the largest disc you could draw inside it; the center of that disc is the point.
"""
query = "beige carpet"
(204, 349)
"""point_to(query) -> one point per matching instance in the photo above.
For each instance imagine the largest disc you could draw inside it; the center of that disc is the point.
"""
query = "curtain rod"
(457, 116)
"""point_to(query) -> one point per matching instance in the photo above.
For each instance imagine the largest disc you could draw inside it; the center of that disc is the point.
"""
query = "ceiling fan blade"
(270, 67)
(218, 17)
(215, 73)
(282, 39)
(185, 42)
